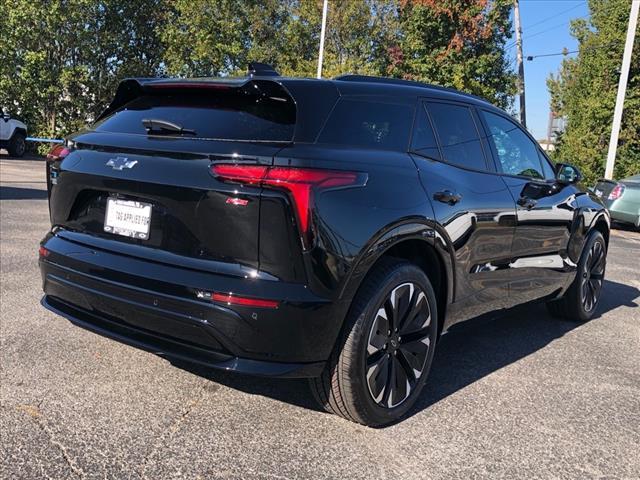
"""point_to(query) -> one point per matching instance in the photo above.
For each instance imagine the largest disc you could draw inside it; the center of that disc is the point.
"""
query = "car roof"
(346, 84)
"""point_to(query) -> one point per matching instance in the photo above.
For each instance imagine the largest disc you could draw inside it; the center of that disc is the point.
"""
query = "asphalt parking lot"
(511, 395)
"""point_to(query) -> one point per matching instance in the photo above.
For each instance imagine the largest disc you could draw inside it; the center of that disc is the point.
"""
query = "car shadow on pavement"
(466, 354)
(22, 193)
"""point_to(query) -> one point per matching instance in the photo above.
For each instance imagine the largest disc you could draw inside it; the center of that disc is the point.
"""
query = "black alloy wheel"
(592, 276)
(382, 359)
(581, 299)
(398, 345)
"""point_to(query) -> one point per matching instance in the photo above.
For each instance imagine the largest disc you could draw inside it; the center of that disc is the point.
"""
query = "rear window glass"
(368, 124)
(249, 113)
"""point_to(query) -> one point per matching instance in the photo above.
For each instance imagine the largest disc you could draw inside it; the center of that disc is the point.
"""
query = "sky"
(545, 29)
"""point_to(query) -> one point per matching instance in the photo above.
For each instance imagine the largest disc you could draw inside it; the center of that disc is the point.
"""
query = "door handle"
(527, 202)
(447, 196)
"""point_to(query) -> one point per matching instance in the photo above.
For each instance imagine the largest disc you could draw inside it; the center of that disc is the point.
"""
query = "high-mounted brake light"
(617, 192)
(300, 183)
(58, 152)
(205, 85)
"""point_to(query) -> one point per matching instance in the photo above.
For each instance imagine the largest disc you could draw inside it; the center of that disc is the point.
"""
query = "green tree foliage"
(60, 61)
(456, 43)
(584, 91)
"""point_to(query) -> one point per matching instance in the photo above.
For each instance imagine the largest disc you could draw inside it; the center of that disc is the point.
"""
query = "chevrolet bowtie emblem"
(119, 163)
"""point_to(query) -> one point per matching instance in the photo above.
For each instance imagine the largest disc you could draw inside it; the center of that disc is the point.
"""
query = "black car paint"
(492, 252)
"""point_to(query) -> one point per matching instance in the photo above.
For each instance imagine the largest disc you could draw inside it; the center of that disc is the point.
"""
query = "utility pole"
(622, 89)
(523, 109)
(325, 7)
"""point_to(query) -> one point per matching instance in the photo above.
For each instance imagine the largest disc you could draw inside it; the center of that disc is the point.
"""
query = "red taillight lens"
(230, 299)
(300, 183)
(43, 252)
(617, 192)
(58, 152)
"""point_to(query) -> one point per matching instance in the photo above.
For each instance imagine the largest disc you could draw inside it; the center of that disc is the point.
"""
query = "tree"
(205, 38)
(456, 43)
(61, 60)
(584, 91)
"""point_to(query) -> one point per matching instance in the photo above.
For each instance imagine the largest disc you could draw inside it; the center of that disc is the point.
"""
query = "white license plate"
(127, 218)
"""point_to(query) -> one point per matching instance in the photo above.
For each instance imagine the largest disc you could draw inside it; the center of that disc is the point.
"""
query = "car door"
(544, 210)
(473, 207)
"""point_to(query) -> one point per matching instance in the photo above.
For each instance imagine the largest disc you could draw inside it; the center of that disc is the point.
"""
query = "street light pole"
(622, 90)
(523, 109)
(325, 7)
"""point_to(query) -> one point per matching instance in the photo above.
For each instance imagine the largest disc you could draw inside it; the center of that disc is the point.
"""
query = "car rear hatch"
(141, 181)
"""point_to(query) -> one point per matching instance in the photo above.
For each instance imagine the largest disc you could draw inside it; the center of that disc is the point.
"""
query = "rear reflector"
(617, 192)
(300, 183)
(230, 299)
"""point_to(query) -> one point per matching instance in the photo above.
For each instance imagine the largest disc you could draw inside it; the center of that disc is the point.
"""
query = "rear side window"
(368, 124)
(259, 111)
(424, 140)
(458, 135)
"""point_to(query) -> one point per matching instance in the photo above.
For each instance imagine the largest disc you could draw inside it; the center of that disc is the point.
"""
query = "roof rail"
(261, 70)
(398, 81)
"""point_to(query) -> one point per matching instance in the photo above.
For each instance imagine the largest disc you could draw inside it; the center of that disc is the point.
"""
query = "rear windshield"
(368, 124)
(258, 111)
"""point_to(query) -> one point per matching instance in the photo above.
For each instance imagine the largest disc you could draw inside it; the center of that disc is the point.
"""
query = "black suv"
(329, 229)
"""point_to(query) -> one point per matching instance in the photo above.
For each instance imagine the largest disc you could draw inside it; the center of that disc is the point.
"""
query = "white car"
(13, 134)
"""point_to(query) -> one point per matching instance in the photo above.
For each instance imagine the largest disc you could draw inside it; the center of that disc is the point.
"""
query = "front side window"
(458, 135)
(517, 154)
(368, 124)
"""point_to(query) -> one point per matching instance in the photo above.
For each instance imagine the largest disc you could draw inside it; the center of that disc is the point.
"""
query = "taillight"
(616, 193)
(43, 252)
(58, 152)
(300, 183)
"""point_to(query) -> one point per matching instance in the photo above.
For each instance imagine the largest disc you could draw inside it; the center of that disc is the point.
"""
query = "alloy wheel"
(593, 276)
(398, 345)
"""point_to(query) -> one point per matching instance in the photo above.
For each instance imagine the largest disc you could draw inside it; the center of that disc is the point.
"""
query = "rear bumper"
(623, 215)
(155, 307)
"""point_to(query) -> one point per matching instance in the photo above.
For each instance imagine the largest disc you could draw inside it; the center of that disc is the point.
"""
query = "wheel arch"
(418, 242)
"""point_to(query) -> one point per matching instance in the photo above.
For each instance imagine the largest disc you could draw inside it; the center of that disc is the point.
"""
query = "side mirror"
(567, 174)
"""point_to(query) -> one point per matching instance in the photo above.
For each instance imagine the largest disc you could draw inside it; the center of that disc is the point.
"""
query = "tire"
(575, 304)
(353, 384)
(17, 145)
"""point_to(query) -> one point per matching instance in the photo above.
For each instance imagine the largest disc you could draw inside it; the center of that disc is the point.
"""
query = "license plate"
(127, 218)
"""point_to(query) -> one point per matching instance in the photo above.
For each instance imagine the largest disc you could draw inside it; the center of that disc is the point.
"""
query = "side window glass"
(424, 140)
(547, 169)
(368, 124)
(517, 154)
(458, 135)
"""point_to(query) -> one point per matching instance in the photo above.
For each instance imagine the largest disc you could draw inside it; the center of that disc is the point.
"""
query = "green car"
(622, 198)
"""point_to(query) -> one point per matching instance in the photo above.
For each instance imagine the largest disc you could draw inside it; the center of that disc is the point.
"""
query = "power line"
(531, 57)
(555, 15)
(566, 52)
(513, 44)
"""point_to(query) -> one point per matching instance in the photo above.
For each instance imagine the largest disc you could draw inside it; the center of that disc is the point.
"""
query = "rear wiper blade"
(159, 126)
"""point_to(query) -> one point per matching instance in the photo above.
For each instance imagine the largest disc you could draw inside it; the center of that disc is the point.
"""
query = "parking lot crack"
(36, 414)
(169, 431)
